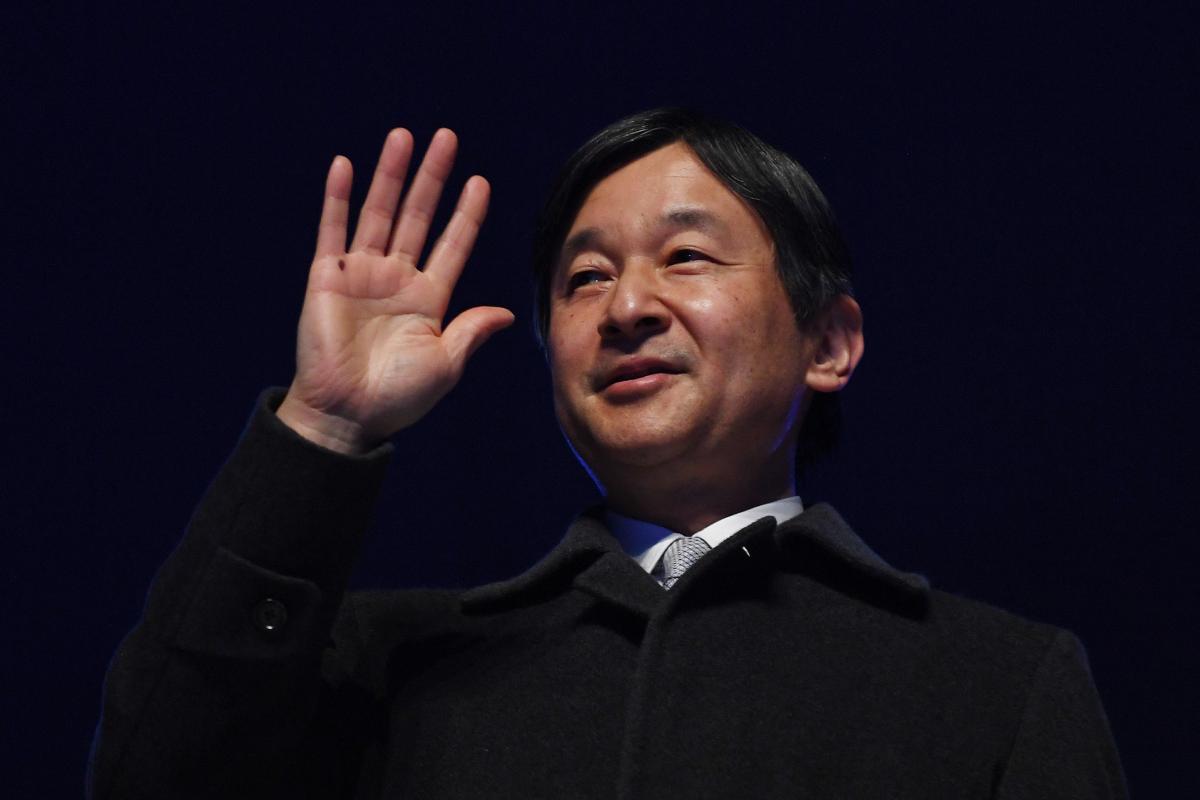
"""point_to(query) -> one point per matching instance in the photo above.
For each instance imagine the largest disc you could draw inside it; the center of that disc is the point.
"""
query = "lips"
(638, 368)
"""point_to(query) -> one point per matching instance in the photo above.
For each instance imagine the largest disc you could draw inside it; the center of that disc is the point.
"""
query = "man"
(702, 634)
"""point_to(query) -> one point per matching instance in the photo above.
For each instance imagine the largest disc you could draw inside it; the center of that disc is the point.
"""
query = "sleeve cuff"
(291, 506)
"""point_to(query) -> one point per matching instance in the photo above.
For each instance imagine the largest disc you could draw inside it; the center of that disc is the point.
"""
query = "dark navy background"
(1018, 188)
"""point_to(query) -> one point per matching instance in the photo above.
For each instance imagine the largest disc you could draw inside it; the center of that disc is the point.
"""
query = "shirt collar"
(589, 558)
(645, 541)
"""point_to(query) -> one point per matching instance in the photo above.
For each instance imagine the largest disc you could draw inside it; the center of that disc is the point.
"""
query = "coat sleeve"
(228, 686)
(1063, 748)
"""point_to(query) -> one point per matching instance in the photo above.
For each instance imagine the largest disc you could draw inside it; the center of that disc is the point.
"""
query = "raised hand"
(372, 356)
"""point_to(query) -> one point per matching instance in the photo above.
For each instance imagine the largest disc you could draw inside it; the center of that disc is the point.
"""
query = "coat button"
(270, 615)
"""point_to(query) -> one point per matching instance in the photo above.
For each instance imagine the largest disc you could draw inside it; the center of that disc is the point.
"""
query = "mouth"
(637, 369)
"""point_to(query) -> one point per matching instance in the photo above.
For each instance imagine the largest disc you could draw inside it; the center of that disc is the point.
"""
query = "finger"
(419, 206)
(453, 247)
(331, 232)
(472, 328)
(379, 209)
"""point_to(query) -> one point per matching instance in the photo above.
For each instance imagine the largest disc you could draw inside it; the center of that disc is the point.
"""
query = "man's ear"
(839, 339)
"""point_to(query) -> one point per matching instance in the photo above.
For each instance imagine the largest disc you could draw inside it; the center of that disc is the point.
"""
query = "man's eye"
(685, 254)
(584, 277)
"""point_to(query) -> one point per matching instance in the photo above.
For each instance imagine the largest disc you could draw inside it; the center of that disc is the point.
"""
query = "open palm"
(372, 356)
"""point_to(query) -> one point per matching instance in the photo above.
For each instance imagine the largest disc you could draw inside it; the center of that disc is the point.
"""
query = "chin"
(639, 435)
(634, 448)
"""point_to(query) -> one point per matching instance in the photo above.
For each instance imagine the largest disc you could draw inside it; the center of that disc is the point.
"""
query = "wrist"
(322, 428)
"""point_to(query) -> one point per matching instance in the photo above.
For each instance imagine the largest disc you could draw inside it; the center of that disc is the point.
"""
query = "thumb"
(472, 328)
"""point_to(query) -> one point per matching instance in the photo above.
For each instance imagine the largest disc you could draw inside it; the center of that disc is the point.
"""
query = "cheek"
(757, 348)
(568, 359)
(727, 329)
(558, 340)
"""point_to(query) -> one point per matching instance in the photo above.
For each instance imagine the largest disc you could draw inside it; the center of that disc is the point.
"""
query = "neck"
(690, 499)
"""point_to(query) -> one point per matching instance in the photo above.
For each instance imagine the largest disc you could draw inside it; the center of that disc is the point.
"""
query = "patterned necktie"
(680, 556)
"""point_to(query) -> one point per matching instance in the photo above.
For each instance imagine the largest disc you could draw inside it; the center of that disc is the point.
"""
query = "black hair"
(810, 254)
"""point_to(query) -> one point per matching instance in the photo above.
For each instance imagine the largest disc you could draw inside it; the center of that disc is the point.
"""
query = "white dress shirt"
(645, 542)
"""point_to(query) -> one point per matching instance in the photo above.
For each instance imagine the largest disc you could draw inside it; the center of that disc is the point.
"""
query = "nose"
(635, 308)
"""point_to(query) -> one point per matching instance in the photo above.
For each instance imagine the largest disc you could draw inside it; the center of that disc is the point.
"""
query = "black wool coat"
(791, 661)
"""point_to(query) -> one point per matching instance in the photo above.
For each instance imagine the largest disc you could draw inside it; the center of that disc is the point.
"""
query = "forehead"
(667, 187)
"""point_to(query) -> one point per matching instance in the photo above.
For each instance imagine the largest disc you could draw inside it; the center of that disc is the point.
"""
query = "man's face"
(672, 340)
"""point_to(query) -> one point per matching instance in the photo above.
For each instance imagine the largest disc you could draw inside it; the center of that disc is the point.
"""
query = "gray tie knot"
(680, 556)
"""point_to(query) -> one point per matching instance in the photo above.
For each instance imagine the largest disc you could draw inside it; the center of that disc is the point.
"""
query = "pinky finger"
(335, 212)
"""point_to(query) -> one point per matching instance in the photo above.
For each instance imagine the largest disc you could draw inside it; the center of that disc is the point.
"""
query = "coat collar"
(587, 540)
(823, 527)
(590, 558)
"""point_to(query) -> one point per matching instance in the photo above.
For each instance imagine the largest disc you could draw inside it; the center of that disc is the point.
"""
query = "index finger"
(450, 253)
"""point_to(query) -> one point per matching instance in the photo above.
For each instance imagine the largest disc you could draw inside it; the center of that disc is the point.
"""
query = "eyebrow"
(695, 218)
(586, 239)
(675, 218)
